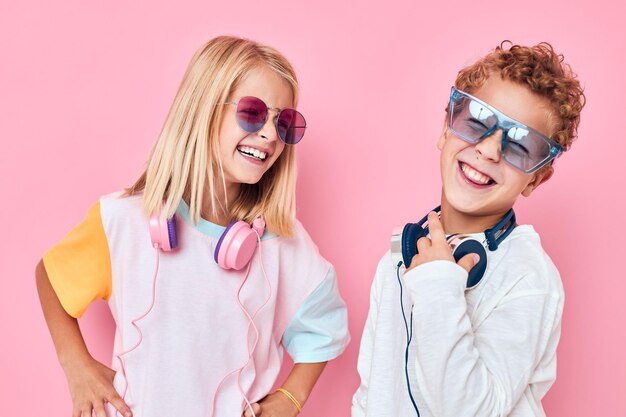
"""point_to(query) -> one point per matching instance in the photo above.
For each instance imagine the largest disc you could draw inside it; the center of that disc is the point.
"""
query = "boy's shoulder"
(521, 260)
(524, 243)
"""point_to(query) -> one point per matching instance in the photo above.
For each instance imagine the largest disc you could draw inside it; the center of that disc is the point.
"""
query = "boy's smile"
(479, 187)
(474, 176)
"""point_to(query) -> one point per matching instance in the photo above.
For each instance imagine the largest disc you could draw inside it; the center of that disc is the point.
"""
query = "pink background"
(85, 87)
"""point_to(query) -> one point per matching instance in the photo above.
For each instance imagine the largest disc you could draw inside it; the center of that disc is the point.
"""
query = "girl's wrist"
(70, 360)
(290, 397)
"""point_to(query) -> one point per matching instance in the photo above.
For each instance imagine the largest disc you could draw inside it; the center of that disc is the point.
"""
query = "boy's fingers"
(468, 261)
(434, 227)
(120, 405)
(423, 243)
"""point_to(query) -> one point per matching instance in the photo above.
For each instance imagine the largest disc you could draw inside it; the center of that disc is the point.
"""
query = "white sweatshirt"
(489, 351)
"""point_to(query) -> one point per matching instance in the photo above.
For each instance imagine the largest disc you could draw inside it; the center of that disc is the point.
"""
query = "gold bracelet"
(291, 397)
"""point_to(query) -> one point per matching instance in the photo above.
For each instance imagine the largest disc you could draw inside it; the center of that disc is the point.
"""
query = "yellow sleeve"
(79, 266)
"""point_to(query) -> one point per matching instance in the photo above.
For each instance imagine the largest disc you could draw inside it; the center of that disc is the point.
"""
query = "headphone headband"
(494, 235)
(404, 243)
(501, 230)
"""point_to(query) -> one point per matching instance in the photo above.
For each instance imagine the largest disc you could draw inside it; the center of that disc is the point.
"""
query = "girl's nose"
(268, 131)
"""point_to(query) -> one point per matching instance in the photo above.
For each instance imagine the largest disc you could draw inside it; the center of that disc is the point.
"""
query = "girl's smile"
(254, 154)
(246, 157)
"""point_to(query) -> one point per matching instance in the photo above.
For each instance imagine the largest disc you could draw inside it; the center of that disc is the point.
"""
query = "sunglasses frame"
(504, 123)
(267, 113)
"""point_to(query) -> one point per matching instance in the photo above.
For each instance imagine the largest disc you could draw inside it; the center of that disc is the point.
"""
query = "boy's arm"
(364, 364)
(482, 373)
(462, 372)
(90, 381)
(299, 383)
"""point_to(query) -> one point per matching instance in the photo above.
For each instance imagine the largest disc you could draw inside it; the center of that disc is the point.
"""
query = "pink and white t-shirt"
(196, 333)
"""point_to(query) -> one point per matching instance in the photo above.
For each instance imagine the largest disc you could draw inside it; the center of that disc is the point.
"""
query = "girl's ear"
(539, 178)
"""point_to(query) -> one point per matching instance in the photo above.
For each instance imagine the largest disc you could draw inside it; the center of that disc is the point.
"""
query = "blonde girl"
(208, 274)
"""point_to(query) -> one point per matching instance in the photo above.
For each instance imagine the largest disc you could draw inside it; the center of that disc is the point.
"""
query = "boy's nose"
(490, 148)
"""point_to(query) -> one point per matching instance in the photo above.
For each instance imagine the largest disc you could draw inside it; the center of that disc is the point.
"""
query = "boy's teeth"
(475, 175)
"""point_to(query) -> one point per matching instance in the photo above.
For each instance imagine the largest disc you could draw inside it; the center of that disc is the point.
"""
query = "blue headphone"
(405, 246)
(461, 244)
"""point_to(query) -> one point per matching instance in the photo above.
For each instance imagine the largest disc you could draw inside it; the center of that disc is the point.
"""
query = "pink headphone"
(234, 248)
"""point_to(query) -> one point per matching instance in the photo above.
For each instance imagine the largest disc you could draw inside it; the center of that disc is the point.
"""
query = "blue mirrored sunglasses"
(524, 148)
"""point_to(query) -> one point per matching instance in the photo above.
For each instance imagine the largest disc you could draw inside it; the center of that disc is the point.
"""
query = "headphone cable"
(409, 337)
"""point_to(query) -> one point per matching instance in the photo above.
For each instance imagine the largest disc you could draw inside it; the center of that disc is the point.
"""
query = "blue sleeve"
(319, 330)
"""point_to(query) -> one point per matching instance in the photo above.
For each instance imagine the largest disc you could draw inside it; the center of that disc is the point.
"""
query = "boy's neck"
(454, 221)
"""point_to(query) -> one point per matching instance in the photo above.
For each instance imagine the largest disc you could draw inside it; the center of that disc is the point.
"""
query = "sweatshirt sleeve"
(475, 372)
(364, 364)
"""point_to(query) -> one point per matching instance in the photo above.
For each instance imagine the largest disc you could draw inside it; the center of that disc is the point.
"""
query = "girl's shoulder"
(300, 236)
(120, 198)
(118, 207)
(299, 244)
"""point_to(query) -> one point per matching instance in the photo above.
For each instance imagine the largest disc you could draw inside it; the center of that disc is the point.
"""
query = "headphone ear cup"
(236, 246)
(410, 235)
(472, 246)
(163, 232)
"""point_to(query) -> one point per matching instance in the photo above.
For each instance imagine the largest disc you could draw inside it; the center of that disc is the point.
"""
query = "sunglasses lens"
(470, 120)
(290, 126)
(525, 149)
(251, 114)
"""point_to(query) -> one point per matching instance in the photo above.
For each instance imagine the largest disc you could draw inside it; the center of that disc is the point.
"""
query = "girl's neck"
(220, 215)
(455, 221)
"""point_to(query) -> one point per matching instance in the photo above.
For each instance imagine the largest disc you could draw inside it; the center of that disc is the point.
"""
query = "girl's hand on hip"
(274, 405)
(91, 385)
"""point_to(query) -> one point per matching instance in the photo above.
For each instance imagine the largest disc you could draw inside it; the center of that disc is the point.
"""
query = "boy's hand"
(437, 248)
(91, 385)
(274, 405)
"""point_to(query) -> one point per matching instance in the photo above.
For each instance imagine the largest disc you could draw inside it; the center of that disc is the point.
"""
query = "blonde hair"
(185, 159)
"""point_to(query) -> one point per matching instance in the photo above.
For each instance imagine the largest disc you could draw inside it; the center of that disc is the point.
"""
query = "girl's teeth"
(253, 152)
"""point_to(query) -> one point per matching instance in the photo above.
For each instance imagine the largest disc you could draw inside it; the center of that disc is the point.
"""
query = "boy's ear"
(444, 133)
(539, 178)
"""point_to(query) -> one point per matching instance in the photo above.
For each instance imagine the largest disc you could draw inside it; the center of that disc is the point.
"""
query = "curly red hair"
(541, 69)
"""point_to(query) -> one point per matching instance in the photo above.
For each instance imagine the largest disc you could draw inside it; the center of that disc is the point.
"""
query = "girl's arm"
(317, 333)
(299, 383)
(90, 382)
